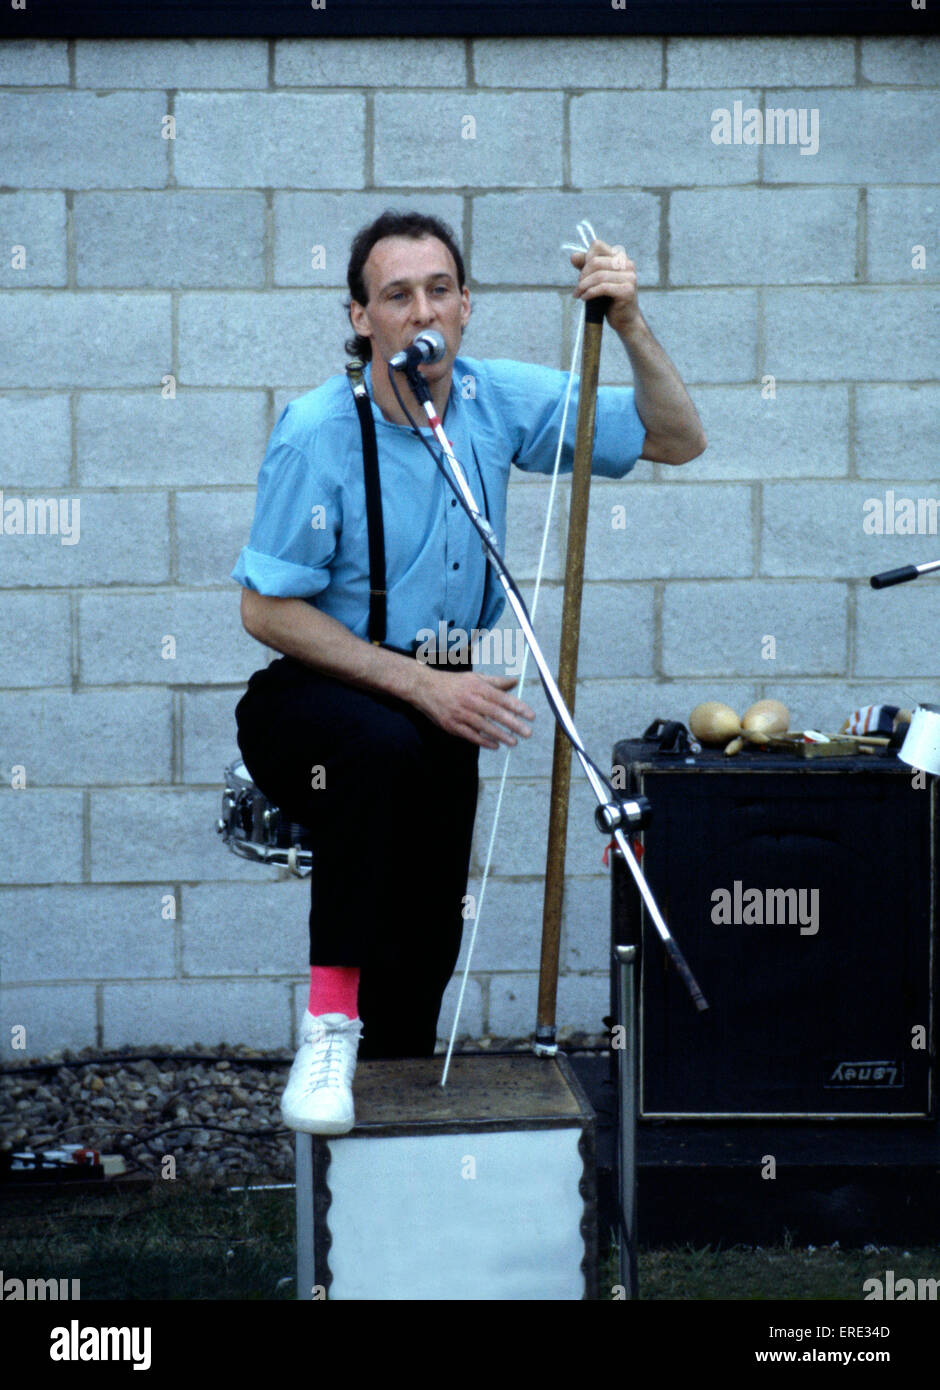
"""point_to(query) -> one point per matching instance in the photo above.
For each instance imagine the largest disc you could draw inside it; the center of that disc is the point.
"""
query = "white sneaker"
(318, 1096)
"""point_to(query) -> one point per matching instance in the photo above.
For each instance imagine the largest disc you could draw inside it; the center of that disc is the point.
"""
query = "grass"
(748, 1273)
(174, 1241)
(167, 1242)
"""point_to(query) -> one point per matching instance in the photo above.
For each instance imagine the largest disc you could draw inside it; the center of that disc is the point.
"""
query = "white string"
(586, 232)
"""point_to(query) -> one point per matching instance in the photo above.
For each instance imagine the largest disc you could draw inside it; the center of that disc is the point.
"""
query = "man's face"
(412, 285)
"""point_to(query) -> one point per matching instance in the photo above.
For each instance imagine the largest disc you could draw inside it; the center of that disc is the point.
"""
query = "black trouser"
(389, 800)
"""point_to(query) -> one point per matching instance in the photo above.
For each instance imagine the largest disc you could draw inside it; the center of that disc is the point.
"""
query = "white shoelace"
(329, 1060)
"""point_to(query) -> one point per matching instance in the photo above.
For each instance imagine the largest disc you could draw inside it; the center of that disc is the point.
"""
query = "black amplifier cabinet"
(803, 895)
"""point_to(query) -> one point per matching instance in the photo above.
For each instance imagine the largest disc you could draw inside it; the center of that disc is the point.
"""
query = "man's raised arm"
(674, 431)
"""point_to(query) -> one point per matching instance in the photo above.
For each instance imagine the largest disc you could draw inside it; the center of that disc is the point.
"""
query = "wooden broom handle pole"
(595, 310)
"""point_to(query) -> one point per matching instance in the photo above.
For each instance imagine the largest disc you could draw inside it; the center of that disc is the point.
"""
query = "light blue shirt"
(309, 537)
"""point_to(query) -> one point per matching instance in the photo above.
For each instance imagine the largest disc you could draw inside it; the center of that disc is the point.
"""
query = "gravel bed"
(218, 1118)
(215, 1111)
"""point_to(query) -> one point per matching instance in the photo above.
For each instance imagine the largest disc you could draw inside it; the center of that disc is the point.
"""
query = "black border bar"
(463, 18)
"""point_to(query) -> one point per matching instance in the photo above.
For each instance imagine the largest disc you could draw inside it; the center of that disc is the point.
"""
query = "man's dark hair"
(391, 223)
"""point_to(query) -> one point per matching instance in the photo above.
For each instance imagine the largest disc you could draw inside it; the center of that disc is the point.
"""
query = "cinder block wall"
(164, 297)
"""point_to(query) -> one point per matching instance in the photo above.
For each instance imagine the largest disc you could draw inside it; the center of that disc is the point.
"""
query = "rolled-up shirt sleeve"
(295, 529)
(533, 398)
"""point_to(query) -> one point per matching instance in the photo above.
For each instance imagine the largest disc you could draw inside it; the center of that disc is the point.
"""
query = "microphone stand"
(902, 575)
(611, 815)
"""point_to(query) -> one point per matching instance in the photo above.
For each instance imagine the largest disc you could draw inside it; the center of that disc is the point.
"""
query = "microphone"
(427, 346)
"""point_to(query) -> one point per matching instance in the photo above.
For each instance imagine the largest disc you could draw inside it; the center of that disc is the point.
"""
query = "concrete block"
(583, 1002)
(69, 139)
(901, 61)
(655, 140)
(287, 394)
(34, 63)
(288, 338)
(710, 335)
(167, 63)
(525, 520)
(211, 527)
(172, 240)
(509, 929)
(45, 658)
(719, 629)
(209, 734)
(151, 834)
(122, 638)
(87, 738)
(369, 62)
(865, 334)
(524, 325)
(864, 137)
(468, 139)
(760, 62)
(896, 430)
(93, 538)
(34, 223)
(264, 139)
(84, 933)
(245, 928)
(616, 631)
(35, 441)
(40, 833)
(825, 705)
(72, 340)
(902, 234)
(843, 530)
(889, 644)
(519, 850)
(471, 1012)
(177, 1013)
(520, 846)
(313, 231)
(517, 237)
(54, 1017)
(802, 431)
(512, 1005)
(197, 438)
(645, 531)
(586, 922)
(568, 62)
(736, 236)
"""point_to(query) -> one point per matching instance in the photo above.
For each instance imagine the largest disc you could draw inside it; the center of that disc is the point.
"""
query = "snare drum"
(253, 827)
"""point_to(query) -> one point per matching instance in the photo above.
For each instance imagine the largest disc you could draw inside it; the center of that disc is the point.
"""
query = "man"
(374, 751)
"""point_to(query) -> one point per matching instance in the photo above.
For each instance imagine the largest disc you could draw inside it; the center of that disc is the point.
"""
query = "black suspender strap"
(370, 468)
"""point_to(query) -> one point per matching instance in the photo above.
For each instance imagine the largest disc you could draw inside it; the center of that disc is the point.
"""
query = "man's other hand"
(477, 708)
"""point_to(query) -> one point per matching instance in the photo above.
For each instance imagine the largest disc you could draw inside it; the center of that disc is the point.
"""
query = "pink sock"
(334, 989)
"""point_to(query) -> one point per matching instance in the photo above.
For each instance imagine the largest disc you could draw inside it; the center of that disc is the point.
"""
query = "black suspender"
(370, 468)
(374, 522)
